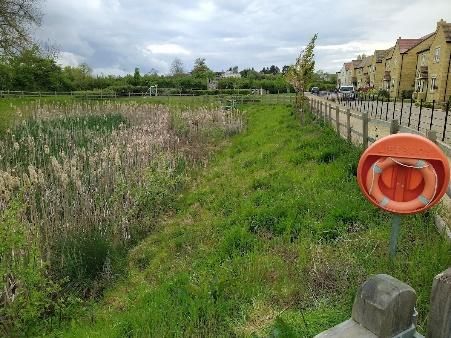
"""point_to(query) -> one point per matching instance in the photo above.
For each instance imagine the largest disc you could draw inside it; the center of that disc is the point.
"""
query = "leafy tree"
(250, 73)
(6, 75)
(16, 18)
(32, 72)
(177, 67)
(200, 69)
(301, 73)
(274, 70)
(136, 77)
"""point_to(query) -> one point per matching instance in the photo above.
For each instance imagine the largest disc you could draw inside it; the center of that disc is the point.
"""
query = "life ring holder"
(422, 200)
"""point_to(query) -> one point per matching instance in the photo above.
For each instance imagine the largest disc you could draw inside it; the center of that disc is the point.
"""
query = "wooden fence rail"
(360, 129)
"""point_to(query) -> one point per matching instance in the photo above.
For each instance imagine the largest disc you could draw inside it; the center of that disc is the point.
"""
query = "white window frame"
(437, 55)
(433, 83)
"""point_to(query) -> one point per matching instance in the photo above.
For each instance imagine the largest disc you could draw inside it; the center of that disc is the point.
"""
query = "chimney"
(441, 23)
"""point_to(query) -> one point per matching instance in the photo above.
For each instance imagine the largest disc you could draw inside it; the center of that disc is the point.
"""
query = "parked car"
(314, 90)
(347, 92)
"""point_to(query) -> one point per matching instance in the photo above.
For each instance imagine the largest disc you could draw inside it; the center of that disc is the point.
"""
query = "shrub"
(407, 94)
(383, 93)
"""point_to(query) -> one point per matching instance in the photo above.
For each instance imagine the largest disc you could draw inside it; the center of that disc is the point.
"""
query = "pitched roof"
(389, 53)
(367, 61)
(348, 65)
(406, 44)
(447, 31)
(357, 63)
(379, 54)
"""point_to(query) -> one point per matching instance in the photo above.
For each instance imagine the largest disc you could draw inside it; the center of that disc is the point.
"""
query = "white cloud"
(115, 70)
(70, 59)
(166, 48)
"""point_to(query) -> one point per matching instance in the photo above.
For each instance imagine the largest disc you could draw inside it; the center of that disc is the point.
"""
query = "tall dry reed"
(81, 182)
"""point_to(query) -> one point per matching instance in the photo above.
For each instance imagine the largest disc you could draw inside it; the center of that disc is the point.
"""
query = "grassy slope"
(272, 238)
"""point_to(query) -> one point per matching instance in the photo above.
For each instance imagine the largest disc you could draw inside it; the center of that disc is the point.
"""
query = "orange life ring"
(423, 199)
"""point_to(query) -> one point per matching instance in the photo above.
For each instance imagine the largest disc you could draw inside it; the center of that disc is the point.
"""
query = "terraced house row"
(418, 68)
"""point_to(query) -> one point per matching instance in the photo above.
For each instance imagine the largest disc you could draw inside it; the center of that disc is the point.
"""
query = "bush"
(383, 93)
(407, 94)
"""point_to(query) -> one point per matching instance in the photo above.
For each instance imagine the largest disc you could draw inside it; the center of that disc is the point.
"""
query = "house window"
(437, 55)
(423, 60)
(433, 83)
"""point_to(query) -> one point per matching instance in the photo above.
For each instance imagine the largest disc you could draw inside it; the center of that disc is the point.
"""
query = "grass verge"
(272, 239)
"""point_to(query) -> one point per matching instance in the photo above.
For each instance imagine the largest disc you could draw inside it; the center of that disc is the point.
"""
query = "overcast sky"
(115, 36)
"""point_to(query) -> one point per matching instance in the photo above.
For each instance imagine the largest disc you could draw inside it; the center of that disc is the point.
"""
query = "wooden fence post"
(326, 113)
(330, 113)
(337, 119)
(365, 129)
(394, 127)
(431, 135)
(348, 125)
(439, 324)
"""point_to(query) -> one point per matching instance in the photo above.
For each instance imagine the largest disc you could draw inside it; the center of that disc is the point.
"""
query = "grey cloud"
(113, 35)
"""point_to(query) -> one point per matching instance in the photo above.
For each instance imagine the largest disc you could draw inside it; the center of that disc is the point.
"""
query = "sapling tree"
(300, 75)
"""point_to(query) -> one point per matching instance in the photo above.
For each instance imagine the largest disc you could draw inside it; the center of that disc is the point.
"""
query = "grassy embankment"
(273, 238)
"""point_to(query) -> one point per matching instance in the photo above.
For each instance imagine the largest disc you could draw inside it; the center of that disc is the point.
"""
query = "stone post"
(384, 307)
(439, 325)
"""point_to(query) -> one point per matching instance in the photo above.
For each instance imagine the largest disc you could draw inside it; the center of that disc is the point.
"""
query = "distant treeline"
(33, 71)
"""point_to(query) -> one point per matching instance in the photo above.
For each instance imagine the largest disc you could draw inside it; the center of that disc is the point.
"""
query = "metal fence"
(362, 126)
(420, 116)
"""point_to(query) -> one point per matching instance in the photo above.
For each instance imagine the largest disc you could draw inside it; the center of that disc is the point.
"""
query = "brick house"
(376, 68)
(433, 78)
(344, 76)
(355, 65)
(400, 64)
(358, 74)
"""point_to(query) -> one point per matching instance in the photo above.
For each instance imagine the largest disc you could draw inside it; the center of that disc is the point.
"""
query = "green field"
(272, 238)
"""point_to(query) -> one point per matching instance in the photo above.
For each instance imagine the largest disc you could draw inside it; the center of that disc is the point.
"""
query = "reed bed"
(82, 182)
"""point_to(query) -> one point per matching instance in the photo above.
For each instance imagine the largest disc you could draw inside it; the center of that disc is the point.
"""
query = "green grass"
(9, 107)
(273, 238)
